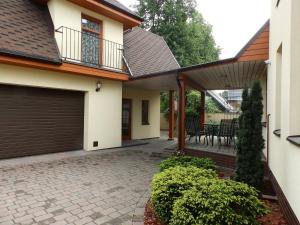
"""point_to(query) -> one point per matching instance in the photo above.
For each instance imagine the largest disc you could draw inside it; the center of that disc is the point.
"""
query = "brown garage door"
(37, 121)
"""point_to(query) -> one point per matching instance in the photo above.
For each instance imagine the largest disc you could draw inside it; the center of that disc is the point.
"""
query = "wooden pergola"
(233, 73)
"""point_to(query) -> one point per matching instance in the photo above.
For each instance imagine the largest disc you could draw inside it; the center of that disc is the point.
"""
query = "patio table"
(213, 131)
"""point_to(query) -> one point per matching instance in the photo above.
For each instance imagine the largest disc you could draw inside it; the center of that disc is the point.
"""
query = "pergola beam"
(181, 110)
(202, 110)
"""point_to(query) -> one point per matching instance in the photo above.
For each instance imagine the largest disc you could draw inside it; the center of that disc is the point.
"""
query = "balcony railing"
(89, 49)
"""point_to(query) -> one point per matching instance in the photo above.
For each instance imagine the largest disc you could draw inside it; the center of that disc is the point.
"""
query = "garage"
(37, 121)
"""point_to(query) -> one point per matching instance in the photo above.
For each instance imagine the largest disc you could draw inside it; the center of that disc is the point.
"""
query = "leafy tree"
(188, 35)
(193, 103)
(249, 167)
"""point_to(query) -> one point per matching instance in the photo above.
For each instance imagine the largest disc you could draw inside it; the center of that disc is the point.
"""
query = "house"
(283, 104)
(235, 98)
(63, 71)
(81, 75)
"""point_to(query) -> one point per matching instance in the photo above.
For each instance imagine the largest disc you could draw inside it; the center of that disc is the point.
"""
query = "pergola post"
(202, 110)
(171, 115)
(181, 110)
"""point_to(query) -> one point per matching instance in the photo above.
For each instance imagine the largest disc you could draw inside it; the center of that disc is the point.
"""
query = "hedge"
(170, 184)
(185, 161)
(215, 202)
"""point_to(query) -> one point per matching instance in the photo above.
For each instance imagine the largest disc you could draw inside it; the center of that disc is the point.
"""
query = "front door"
(126, 119)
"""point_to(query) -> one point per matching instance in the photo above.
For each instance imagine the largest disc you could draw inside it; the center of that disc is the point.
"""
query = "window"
(145, 112)
(91, 49)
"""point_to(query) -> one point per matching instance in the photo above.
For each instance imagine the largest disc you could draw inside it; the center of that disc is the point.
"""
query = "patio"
(103, 187)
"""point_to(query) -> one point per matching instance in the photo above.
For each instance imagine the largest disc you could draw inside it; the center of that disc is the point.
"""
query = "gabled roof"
(26, 30)
(119, 6)
(147, 53)
(258, 46)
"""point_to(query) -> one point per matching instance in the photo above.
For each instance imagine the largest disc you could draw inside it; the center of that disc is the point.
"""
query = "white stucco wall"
(285, 157)
(102, 109)
(139, 131)
(67, 14)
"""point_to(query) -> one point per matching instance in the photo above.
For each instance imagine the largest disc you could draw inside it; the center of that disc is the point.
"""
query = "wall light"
(98, 86)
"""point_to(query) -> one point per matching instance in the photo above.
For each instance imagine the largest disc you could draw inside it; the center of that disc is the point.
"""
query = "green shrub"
(218, 202)
(170, 184)
(185, 161)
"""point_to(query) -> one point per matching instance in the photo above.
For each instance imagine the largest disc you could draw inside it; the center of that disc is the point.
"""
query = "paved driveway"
(106, 187)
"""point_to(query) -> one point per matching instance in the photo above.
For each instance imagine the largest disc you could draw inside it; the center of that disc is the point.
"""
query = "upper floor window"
(91, 44)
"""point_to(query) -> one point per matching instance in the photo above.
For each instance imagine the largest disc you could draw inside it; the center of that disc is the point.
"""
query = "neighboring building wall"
(139, 131)
(285, 108)
(102, 109)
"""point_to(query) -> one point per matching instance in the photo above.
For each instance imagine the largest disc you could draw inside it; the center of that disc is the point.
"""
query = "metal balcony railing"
(89, 49)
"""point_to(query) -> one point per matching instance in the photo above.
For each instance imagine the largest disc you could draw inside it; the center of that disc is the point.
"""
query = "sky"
(234, 21)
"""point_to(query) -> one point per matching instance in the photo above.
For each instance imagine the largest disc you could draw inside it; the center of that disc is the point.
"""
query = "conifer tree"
(249, 166)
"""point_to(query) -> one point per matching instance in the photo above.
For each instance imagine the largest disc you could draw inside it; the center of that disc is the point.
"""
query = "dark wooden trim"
(294, 139)
(283, 202)
(190, 83)
(129, 137)
(70, 68)
(202, 110)
(171, 115)
(129, 21)
(100, 33)
(262, 29)
(181, 110)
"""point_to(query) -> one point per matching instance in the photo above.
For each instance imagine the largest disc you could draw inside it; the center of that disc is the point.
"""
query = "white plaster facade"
(103, 109)
(283, 97)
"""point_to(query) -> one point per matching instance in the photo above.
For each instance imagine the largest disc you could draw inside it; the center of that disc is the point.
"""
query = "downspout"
(268, 138)
(126, 64)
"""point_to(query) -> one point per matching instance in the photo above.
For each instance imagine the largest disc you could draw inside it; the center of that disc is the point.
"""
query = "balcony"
(89, 49)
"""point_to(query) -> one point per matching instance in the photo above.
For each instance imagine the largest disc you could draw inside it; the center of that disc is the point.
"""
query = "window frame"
(100, 34)
(145, 117)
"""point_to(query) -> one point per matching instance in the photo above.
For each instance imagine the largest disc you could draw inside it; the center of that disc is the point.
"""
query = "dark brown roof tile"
(147, 53)
(26, 30)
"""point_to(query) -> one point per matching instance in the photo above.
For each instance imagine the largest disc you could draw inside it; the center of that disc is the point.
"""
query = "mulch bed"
(275, 217)
(149, 216)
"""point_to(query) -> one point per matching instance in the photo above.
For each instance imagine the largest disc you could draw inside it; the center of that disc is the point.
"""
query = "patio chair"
(190, 128)
(193, 128)
(224, 132)
(208, 132)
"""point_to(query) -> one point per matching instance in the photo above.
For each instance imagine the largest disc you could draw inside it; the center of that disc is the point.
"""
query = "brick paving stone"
(74, 188)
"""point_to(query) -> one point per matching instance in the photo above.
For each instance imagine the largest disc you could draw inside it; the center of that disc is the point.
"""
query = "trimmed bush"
(185, 161)
(216, 202)
(170, 184)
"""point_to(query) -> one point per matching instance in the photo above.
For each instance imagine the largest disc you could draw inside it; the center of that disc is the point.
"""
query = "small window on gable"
(145, 112)
(277, 4)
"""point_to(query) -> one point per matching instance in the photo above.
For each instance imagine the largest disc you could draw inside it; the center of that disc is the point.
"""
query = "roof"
(26, 30)
(258, 45)
(120, 7)
(31, 35)
(232, 73)
(147, 53)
